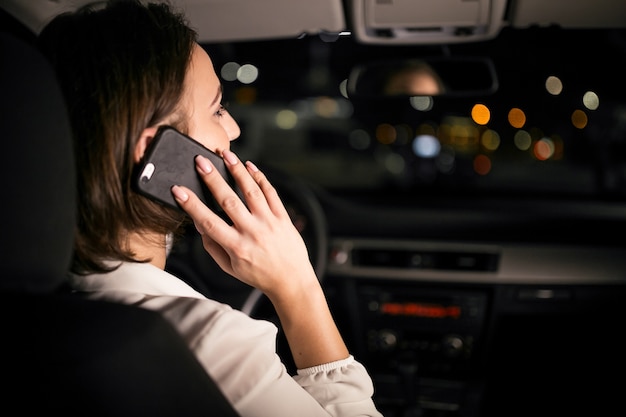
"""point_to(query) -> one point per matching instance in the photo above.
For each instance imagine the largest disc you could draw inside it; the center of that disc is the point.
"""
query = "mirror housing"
(431, 76)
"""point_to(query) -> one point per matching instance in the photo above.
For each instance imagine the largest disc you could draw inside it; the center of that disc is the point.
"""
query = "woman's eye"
(221, 110)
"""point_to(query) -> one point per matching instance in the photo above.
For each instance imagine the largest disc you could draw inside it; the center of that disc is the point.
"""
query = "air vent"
(424, 259)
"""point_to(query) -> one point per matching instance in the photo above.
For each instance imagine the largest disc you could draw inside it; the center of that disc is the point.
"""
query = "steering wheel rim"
(190, 262)
(293, 190)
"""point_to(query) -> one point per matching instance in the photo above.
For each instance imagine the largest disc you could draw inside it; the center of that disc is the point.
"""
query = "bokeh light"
(343, 88)
(286, 119)
(522, 140)
(421, 103)
(394, 163)
(229, 70)
(482, 164)
(554, 85)
(325, 107)
(246, 95)
(426, 146)
(247, 74)
(461, 134)
(579, 119)
(490, 140)
(386, 133)
(517, 118)
(481, 114)
(543, 149)
(591, 100)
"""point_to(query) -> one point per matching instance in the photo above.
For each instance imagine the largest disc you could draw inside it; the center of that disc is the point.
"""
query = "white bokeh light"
(426, 146)
(247, 74)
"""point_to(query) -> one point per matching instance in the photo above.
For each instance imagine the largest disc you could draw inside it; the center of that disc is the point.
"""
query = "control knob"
(452, 345)
(386, 339)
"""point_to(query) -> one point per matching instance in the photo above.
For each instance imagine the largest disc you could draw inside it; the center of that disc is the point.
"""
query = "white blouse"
(239, 352)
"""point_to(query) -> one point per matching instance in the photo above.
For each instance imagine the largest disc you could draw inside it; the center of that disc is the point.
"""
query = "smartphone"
(170, 160)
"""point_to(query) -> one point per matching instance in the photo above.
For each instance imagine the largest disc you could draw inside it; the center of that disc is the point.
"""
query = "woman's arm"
(264, 249)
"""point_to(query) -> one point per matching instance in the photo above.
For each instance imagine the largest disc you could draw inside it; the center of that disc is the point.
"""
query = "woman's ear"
(144, 140)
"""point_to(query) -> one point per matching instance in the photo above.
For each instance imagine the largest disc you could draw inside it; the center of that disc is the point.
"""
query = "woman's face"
(209, 123)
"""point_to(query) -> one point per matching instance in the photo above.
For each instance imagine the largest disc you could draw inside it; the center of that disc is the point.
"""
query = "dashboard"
(483, 310)
(477, 314)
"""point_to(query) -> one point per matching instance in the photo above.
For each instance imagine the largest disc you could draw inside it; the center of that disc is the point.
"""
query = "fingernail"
(203, 164)
(180, 194)
(252, 166)
(230, 157)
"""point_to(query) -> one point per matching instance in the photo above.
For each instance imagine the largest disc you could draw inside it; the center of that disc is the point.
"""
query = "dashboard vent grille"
(424, 259)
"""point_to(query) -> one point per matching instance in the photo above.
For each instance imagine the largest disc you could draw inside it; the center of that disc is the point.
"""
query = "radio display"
(417, 309)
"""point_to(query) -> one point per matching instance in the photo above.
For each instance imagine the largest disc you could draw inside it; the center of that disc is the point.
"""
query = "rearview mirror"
(435, 76)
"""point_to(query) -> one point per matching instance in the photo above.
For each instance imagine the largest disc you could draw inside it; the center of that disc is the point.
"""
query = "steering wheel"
(308, 216)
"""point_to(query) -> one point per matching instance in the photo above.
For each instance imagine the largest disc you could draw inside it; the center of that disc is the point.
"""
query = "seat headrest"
(37, 172)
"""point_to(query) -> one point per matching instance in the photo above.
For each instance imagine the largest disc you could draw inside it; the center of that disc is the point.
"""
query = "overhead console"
(455, 21)
(426, 21)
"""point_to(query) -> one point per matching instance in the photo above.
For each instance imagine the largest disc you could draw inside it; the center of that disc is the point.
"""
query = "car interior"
(469, 239)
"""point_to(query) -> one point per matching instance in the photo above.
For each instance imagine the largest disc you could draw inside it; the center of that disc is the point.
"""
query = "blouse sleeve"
(343, 388)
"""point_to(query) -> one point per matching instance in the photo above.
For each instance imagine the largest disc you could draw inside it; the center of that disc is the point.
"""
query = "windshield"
(556, 126)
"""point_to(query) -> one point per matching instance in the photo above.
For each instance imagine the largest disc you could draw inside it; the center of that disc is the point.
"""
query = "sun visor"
(581, 14)
(426, 21)
(234, 20)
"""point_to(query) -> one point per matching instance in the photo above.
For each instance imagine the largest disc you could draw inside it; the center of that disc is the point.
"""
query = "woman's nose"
(231, 127)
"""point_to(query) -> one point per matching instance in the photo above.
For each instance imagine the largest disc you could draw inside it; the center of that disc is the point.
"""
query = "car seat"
(60, 351)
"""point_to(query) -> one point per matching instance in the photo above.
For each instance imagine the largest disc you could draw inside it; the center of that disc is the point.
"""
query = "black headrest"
(36, 170)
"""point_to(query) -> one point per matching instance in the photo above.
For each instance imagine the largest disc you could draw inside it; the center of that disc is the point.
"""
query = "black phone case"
(169, 160)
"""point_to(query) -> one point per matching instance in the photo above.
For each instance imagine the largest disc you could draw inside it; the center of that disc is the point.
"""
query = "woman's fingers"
(206, 221)
(269, 192)
(223, 193)
(216, 233)
(247, 177)
(262, 247)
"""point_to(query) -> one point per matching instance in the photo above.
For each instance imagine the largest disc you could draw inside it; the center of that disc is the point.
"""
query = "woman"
(126, 69)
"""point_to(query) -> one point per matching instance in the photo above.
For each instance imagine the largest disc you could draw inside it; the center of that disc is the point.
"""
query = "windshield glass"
(556, 126)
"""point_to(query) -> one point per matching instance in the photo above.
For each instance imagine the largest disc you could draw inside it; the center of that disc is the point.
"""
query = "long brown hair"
(121, 66)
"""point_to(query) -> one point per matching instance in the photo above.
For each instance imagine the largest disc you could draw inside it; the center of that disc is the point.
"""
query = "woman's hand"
(262, 247)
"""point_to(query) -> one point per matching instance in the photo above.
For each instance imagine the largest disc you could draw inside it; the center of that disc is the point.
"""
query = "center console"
(451, 330)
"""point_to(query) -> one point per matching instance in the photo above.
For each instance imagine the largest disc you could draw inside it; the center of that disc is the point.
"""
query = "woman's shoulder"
(195, 316)
(134, 277)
